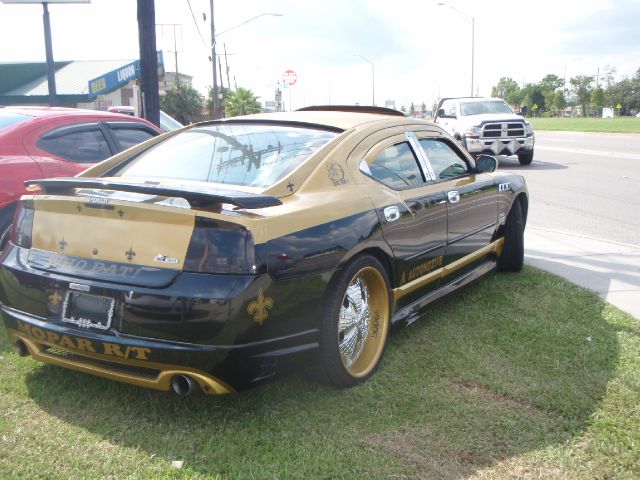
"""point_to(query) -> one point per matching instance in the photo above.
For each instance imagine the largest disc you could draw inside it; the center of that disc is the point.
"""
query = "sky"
(415, 51)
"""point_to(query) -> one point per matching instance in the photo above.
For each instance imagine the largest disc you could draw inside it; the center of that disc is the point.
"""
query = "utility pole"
(216, 110)
(148, 61)
(51, 75)
(175, 45)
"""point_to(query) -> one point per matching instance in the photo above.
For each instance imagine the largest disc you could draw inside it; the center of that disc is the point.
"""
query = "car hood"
(472, 120)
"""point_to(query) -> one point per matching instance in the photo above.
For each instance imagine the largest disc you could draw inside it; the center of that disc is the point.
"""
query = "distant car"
(487, 125)
(43, 142)
(214, 257)
(167, 123)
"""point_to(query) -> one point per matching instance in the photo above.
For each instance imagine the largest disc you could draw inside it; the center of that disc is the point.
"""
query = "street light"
(473, 35)
(216, 113)
(373, 78)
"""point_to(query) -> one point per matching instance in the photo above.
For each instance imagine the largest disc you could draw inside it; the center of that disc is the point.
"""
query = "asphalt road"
(584, 211)
(585, 183)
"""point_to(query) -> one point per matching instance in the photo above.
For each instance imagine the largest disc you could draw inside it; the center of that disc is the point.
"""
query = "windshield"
(240, 154)
(7, 119)
(478, 108)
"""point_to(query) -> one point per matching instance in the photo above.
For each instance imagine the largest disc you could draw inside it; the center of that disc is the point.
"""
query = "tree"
(533, 95)
(222, 91)
(597, 99)
(507, 89)
(581, 87)
(551, 83)
(412, 109)
(241, 102)
(626, 92)
(183, 103)
(608, 75)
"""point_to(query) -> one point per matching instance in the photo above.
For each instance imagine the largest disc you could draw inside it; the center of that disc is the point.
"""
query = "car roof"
(38, 114)
(335, 119)
(37, 111)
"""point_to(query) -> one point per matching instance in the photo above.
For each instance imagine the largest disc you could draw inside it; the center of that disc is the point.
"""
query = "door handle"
(454, 196)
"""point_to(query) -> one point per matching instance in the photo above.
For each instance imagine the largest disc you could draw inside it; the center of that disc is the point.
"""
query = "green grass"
(516, 376)
(607, 125)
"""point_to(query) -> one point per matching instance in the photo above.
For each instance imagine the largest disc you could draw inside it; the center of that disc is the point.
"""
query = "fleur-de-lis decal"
(258, 308)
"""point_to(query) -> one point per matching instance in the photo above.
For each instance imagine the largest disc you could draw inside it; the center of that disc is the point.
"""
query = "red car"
(43, 142)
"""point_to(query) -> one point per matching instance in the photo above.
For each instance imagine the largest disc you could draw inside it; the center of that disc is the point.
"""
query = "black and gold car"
(216, 255)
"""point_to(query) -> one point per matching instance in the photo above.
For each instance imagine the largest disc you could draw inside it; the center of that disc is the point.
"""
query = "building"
(90, 84)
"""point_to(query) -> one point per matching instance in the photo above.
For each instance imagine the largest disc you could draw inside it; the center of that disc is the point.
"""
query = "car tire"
(355, 324)
(525, 158)
(6, 220)
(512, 257)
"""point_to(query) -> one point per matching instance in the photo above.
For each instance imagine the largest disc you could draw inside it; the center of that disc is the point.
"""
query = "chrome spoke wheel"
(353, 327)
(363, 321)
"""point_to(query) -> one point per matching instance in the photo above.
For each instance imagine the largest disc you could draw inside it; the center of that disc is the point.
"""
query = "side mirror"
(486, 164)
(440, 113)
(523, 111)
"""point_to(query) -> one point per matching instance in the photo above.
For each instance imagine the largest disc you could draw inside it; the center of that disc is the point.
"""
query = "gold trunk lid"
(142, 231)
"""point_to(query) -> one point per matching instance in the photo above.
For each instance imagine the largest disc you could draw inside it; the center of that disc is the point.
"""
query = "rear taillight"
(220, 247)
(23, 224)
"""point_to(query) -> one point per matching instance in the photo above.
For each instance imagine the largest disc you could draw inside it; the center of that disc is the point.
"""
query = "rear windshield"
(238, 154)
(478, 108)
(8, 118)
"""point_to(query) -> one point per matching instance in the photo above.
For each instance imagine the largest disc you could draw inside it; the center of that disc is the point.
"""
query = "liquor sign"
(116, 78)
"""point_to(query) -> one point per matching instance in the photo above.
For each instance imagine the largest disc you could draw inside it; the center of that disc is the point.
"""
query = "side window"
(128, 137)
(449, 107)
(446, 163)
(396, 166)
(80, 146)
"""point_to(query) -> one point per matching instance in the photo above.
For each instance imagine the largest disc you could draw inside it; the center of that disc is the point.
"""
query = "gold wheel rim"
(363, 322)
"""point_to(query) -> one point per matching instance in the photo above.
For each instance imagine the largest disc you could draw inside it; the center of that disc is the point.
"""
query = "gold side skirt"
(418, 283)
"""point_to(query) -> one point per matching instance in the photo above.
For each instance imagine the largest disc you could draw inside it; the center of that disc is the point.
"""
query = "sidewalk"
(611, 269)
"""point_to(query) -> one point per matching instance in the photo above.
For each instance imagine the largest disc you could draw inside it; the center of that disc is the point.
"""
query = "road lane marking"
(590, 152)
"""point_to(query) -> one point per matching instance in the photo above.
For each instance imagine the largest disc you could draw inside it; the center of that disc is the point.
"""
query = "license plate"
(88, 311)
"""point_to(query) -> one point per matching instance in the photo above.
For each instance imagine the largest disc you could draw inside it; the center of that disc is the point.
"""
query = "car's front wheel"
(512, 257)
(355, 324)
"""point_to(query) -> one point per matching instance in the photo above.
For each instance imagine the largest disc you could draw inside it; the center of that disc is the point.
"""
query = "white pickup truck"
(486, 125)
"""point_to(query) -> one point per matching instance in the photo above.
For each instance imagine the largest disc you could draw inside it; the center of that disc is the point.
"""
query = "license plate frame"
(87, 310)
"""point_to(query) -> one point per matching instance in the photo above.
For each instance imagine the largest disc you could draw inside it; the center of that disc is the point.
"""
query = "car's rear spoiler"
(199, 197)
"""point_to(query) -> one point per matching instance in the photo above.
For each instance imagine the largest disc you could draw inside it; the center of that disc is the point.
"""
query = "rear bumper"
(201, 326)
(500, 146)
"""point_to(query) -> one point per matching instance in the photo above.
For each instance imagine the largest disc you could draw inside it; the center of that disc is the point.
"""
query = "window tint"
(396, 166)
(446, 163)
(449, 107)
(238, 154)
(128, 137)
(81, 146)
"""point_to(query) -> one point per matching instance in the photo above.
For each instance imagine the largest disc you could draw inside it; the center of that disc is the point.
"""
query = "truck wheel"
(355, 325)
(512, 256)
(525, 158)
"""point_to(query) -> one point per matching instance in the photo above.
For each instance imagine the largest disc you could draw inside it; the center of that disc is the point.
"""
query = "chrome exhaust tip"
(183, 385)
(21, 348)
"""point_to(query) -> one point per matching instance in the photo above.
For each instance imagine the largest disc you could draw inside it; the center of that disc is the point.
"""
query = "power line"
(196, 24)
